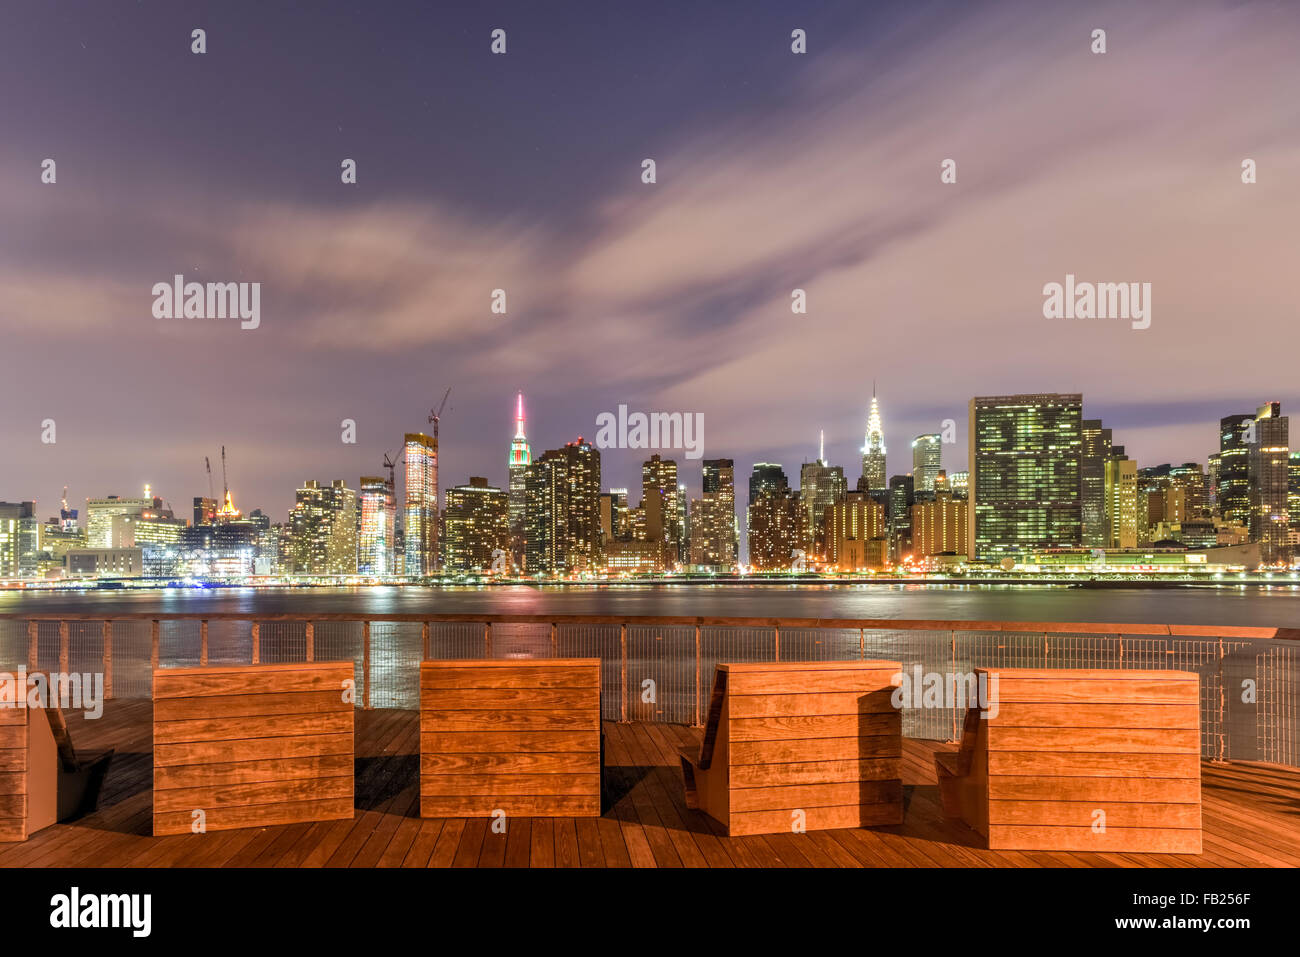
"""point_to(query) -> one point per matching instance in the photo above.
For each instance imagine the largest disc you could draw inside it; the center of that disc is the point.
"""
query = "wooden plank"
(1154, 840)
(544, 677)
(246, 705)
(813, 772)
(509, 763)
(814, 726)
(1086, 715)
(222, 752)
(1050, 788)
(845, 679)
(1079, 764)
(223, 796)
(567, 805)
(779, 705)
(510, 785)
(251, 772)
(252, 727)
(584, 720)
(1118, 813)
(509, 699)
(816, 795)
(510, 742)
(815, 749)
(1117, 740)
(816, 818)
(197, 682)
(259, 815)
(1113, 690)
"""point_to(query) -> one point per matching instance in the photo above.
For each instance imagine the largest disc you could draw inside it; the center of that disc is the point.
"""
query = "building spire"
(519, 416)
(821, 447)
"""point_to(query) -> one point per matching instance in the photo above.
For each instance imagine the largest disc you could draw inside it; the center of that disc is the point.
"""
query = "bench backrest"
(820, 736)
(1074, 755)
(515, 735)
(28, 766)
(252, 745)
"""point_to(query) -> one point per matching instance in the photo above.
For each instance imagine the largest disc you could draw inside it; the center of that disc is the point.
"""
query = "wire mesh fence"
(663, 672)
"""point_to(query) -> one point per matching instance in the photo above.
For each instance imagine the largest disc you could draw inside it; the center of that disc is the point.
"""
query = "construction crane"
(212, 492)
(436, 415)
(391, 464)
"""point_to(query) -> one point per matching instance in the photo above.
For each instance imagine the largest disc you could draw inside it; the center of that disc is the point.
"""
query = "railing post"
(622, 672)
(862, 644)
(311, 641)
(555, 642)
(107, 658)
(154, 628)
(365, 665)
(952, 641)
(64, 642)
(257, 643)
(203, 643)
(1221, 749)
(698, 719)
(33, 645)
(776, 632)
(424, 639)
(487, 639)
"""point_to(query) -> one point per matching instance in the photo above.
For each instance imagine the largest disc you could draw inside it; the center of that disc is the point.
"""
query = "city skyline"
(776, 172)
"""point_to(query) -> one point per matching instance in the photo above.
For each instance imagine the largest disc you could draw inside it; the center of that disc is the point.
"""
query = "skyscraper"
(421, 504)
(1234, 468)
(713, 519)
(19, 539)
(323, 526)
(476, 526)
(660, 501)
(562, 517)
(1096, 451)
(873, 450)
(766, 477)
(375, 536)
(773, 522)
(1125, 523)
(927, 460)
(1025, 453)
(820, 487)
(940, 525)
(1268, 480)
(521, 457)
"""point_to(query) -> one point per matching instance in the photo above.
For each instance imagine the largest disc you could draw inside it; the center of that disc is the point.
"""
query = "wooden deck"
(1250, 815)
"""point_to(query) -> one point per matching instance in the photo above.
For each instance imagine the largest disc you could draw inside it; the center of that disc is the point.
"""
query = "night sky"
(523, 172)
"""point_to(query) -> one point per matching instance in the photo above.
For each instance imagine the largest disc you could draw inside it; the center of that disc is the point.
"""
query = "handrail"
(714, 621)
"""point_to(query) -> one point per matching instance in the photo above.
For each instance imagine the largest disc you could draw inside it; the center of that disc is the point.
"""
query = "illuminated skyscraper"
(1096, 452)
(1268, 467)
(521, 456)
(1025, 453)
(660, 504)
(713, 519)
(476, 526)
(421, 504)
(1122, 517)
(927, 459)
(873, 450)
(375, 554)
(820, 487)
(323, 525)
(1233, 492)
(562, 518)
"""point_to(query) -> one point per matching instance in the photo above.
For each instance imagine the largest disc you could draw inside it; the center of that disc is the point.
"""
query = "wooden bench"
(823, 738)
(42, 780)
(252, 745)
(515, 735)
(1080, 760)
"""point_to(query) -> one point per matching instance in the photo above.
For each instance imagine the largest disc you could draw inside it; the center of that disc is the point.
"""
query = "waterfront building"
(20, 540)
(323, 526)
(774, 522)
(855, 519)
(899, 501)
(940, 525)
(376, 553)
(1268, 473)
(1025, 454)
(562, 518)
(1233, 481)
(421, 510)
(104, 525)
(713, 544)
(476, 526)
(661, 504)
(1122, 502)
(820, 487)
(1094, 454)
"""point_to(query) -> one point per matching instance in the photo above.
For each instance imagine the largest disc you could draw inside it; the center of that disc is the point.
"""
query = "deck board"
(1248, 813)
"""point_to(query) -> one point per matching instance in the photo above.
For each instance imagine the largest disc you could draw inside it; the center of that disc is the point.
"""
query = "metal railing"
(661, 668)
